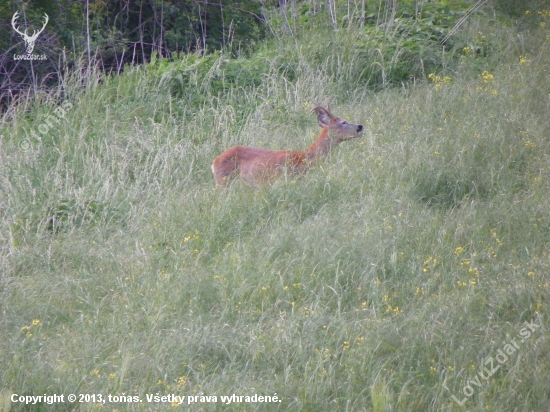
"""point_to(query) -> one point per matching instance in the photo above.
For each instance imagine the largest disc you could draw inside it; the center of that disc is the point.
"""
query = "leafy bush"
(372, 55)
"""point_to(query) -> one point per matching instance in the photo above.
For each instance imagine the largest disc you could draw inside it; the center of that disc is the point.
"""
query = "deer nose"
(359, 127)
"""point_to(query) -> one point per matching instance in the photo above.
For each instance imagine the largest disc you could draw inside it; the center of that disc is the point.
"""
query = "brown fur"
(256, 165)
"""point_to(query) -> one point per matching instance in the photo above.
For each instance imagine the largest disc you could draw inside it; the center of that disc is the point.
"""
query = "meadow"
(407, 271)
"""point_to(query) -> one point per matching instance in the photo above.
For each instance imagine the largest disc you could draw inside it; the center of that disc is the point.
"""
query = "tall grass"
(379, 281)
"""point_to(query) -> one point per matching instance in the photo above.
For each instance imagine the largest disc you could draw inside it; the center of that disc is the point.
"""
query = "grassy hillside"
(397, 274)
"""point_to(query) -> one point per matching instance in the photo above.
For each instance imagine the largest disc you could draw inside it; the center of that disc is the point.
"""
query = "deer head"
(338, 127)
(29, 40)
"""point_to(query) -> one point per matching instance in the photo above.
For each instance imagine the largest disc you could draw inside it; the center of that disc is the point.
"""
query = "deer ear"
(323, 117)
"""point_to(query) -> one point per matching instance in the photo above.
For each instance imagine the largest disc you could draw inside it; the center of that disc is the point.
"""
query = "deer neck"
(321, 146)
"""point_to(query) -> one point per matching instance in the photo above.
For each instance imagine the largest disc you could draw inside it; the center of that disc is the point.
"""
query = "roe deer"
(254, 164)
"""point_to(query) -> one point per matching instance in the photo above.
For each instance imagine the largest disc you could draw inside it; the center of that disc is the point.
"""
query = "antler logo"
(29, 40)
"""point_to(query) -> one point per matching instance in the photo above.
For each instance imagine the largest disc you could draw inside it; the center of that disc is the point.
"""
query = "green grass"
(379, 281)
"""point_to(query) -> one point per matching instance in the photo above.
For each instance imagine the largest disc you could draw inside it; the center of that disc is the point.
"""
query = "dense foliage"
(392, 43)
(113, 33)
